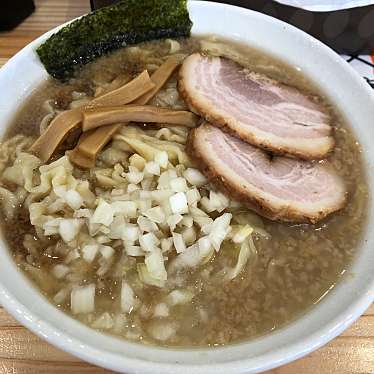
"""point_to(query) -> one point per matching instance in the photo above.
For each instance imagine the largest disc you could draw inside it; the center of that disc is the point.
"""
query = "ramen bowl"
(345, 303)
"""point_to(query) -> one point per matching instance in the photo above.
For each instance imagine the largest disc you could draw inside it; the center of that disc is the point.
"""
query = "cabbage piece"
(219, 229)
(247, 249)
(241, 233)
(253, 220)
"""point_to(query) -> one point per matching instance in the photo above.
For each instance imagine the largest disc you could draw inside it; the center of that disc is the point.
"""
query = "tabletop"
(22, 352)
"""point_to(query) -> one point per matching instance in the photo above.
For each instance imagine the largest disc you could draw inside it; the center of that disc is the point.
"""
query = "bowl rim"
(269, 360)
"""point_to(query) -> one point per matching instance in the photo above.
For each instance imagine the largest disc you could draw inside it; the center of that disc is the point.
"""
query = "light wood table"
(21, 352)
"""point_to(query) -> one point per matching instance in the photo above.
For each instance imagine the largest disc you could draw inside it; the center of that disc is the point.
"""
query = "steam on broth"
(93, 264)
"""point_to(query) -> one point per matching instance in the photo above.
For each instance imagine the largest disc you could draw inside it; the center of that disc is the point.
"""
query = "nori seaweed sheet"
(106, 29)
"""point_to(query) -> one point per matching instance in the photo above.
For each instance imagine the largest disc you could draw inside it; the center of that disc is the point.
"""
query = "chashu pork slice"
(279, 188)
(255, 108)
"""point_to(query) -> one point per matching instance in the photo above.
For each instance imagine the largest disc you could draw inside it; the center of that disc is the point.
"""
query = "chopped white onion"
(60, 270)
(69, 228)
(161, 310)
(189, 235)
(161, 195)
(163, 181)
(126, 208)
(155, 265)
(195, 177)
(145, 224)
(132, 187)
(166, 244)
(193, 196)
(178, 185)
(178, 203)
(219, 229)
(162, 159)
(187, 221)
(106, 251)
(73, 199)
(103, 213)
(179, 243)
(146, 183)
(152, 168)
(134, 175)
(155, 214)
(130, 232)
(202, 221)
(144, 205)
(89, 252)
(207, 205)
(161, 330)
(128, 298)
(177, 297)
(134, 250)
(173, 220)
(105, 322)
(218, 201)
(145, 195)
(149, 242)
(83, 299)
(71, 256)
(137, 161)
(147, 278)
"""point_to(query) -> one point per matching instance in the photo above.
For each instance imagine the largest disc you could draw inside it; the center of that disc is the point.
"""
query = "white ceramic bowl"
(336, 312)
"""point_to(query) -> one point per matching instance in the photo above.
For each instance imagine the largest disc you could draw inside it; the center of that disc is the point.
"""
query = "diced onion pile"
(160, 213)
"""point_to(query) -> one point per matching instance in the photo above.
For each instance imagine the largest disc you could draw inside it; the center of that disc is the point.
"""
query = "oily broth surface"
(293, 269)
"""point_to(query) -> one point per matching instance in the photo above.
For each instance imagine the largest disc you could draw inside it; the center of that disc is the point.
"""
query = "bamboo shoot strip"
(78, 157)
(95, 140)
(57, 131)
(126, 93)
(97, 117)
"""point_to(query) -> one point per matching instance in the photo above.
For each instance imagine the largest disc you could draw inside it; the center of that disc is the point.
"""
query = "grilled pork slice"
(279, 188)
(255, 108)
